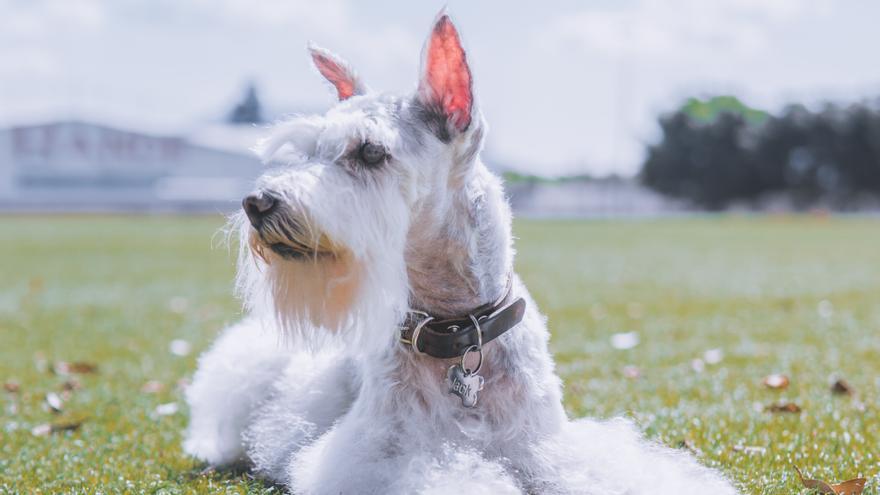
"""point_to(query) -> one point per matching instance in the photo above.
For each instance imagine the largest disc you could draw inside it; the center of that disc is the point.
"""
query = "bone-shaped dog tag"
(464, 384)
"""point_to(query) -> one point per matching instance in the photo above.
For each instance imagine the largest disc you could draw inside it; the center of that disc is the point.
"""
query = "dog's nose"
(257, 205)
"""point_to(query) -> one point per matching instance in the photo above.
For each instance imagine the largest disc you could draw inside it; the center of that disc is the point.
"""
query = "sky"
(568, 87)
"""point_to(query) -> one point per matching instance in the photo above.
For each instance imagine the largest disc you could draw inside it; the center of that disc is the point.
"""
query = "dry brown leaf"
(689, 445)
(783, 407)
(81, 367)
(35, 285)
(71, 425)
(850, 487)
(11, 387)
(70, 385)
(57, 427)
(776, 381)
(841, 387)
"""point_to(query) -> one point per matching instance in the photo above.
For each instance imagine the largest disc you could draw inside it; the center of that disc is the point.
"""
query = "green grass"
(105, 289)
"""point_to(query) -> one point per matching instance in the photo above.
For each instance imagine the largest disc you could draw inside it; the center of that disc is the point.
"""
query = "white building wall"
(81, 166)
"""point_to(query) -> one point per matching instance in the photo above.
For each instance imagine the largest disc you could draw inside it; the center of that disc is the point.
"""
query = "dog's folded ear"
(338, 72)
(445, 86)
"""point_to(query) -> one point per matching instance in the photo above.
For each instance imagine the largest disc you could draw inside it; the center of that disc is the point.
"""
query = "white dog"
(380, 248)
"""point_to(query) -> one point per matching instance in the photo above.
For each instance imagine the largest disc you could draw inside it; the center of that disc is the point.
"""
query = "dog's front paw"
(213, 449)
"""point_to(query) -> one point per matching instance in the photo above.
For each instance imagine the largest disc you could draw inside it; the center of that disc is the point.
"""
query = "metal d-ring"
(479, 331)
(414, 340)
(478, 348)
(479, 352)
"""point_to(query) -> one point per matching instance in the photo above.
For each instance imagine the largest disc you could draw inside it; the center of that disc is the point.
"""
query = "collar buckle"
(417, 330)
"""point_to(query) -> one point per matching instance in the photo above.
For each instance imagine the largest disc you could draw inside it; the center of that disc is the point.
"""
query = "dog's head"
(325, 230)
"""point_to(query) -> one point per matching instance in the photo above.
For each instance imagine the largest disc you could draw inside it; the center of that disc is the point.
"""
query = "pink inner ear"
(336, 73)
(447, 74)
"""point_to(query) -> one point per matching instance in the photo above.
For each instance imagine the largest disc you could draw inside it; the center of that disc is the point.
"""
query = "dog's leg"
(233, 376)
(365, 455)
(313, 393)
(454, 472)
(597, 457)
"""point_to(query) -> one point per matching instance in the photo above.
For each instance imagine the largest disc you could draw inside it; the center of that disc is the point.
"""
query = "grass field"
(799, 296)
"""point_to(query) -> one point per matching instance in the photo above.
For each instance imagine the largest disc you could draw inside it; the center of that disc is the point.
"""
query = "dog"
(388, 346)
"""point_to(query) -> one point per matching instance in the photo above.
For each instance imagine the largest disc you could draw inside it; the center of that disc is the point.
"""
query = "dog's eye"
(372, 154)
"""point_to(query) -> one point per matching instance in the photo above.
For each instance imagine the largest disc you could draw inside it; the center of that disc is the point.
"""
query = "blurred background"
(605, 108)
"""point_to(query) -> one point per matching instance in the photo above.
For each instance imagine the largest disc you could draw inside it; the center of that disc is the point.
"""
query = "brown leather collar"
(451, 337)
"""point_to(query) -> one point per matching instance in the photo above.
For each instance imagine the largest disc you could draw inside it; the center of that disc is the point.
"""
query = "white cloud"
(107, 57)
(39, 17)
(27, 24)
(23, 54)
(27, 61)
(620, 64)
(675, 29)
(324, 15)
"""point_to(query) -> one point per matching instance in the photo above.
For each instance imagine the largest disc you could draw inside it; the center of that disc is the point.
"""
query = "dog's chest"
(450, 397)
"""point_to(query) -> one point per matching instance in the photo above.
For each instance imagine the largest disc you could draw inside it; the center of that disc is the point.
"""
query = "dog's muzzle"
(281, 229)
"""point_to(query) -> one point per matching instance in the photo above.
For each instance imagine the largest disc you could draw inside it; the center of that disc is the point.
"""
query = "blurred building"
(79, 166)
(85, 167)
(578, 198)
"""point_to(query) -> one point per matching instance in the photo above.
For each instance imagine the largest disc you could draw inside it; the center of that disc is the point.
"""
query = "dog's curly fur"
(352, 410)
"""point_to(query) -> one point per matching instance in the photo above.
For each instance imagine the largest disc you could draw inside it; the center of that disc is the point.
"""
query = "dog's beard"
(314, 293)
(304, 282)
(318, 294)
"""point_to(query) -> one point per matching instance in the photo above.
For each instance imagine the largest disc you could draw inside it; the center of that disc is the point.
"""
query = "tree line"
(719, 151)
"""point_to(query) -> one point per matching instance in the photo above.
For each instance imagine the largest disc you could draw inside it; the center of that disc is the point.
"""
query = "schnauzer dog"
(379, 247)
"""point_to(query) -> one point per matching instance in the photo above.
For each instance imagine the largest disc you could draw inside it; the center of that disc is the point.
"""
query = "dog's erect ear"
(445, 86)
(338, 72)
